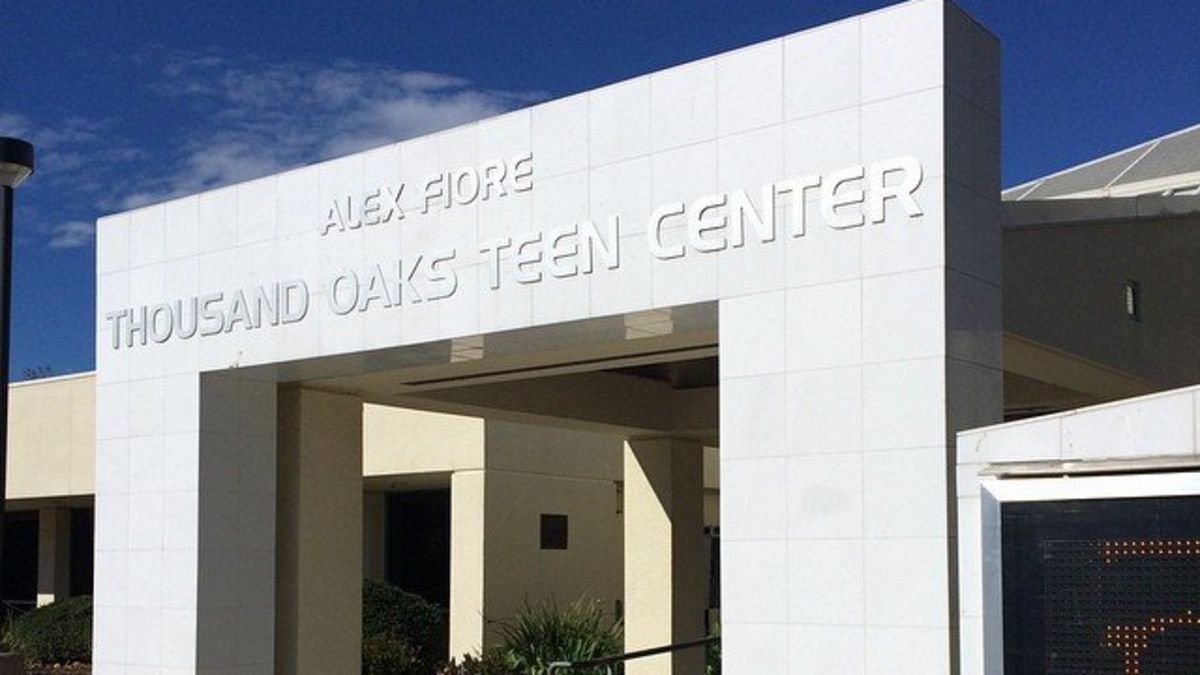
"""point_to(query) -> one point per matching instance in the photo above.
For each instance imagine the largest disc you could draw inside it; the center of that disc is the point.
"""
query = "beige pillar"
(54, 555)
(375, 535)
(466, 562)
(319, 522)
(665, 580)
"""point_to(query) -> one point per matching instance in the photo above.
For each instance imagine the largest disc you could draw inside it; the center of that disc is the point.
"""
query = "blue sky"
(130, 102)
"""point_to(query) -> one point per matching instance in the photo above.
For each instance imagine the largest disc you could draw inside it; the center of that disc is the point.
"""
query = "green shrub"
(60, 632)
(403, 634)
(388, 655)
(488, 663)
(543, 634)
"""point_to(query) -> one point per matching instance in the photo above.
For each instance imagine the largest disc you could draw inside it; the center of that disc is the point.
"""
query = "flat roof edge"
(1056, 468)
(1189, 390)
(55, 378)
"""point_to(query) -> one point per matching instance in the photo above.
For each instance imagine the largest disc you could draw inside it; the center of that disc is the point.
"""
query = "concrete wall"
(518, 571)
(400, 441)
(537, 470)
(712, 487)
(565, 452)
(665, 559)
(318, 563)
(1064, 286)
(52, 437)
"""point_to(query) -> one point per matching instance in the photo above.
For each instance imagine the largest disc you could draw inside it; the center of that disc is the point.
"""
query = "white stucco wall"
(52, 438)
(399, 441)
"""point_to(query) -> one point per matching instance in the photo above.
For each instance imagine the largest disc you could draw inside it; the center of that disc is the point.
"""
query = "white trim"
(1065, 488)
(56, 378)
(1190, 390)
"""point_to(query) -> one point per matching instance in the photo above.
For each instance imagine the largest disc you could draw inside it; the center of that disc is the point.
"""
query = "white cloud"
(72, 234)
(64, 181)
(72, 132)
(217, 120)
(12, 124)
(68, 150)
(263, 117)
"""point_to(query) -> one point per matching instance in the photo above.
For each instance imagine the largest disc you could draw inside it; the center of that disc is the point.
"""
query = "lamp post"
(16, 164)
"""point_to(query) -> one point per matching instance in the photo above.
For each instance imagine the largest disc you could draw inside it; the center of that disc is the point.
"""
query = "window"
(1133, 301)
(554, 532)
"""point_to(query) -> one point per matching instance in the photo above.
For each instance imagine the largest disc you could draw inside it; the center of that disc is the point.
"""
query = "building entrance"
(592, 468)
(825, 202)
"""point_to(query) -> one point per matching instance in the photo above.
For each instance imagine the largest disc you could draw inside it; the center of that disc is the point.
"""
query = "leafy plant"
(388, 655)
(712, 657)
(544, 634)
(489, 663)
(58, 633)
(403, 634)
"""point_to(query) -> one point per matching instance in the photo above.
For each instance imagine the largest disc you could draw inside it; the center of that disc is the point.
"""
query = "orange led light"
(1133, 640)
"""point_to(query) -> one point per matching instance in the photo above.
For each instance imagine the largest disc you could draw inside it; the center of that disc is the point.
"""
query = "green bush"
(60, 632)
(403, 634)
(546, 633)
(388, 655)
(712, 658)
(489, 663)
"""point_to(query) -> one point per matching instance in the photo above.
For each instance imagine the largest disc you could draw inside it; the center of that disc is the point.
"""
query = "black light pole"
(16, 164)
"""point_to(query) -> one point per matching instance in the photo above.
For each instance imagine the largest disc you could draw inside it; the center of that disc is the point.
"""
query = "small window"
(554, 532)
(1133, 301)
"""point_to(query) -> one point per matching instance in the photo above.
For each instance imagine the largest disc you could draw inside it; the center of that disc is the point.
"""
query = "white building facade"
(819, 211)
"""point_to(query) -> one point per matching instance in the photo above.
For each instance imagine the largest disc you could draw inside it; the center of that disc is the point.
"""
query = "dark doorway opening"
(19, 582)
(82, 533)
(418, 543)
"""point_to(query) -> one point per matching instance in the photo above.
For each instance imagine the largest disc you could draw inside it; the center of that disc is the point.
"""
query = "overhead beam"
(600, 401)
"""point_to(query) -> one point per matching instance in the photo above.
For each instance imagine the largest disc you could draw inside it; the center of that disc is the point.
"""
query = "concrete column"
(54, 555)
(841, 391)
(665, 579)
(466, 562)
(319, 521)
(185, 525)
(375, 535)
